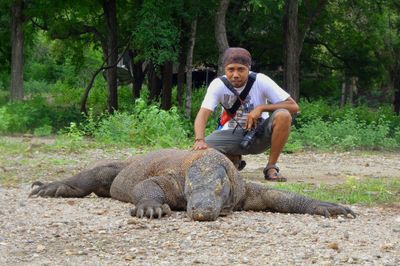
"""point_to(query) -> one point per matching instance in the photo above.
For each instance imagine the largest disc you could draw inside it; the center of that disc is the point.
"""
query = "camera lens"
(248, 139)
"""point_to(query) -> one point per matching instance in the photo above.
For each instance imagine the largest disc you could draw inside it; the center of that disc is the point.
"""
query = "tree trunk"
(294, 39)
(343, 96)
(167, 85)
(189, 68)
(138, 78)
(291, 49)
(138, 74)
(155, 84)
(110, 10)
(396, 102)
(350, 92)
(220, 33)
(181, 77)
(17, 52)
(85, 95)
(395, 80)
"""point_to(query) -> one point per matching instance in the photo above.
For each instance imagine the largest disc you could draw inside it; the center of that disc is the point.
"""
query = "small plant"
(43, 131)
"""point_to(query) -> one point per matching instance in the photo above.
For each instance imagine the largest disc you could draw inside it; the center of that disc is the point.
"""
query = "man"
(273, 132)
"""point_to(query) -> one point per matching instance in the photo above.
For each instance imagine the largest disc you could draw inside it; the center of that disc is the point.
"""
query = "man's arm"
(199, 128)
(288, 104)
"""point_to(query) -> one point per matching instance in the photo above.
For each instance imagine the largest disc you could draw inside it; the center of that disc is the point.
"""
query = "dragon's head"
(207, 189)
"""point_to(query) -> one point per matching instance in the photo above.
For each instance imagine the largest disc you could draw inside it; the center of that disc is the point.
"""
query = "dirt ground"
(99, 231)
(328, 168)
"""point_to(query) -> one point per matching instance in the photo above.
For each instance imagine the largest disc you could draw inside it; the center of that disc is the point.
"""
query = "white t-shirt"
(264, 89)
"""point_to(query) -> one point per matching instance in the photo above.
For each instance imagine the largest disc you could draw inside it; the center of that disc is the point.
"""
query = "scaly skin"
(204, 183)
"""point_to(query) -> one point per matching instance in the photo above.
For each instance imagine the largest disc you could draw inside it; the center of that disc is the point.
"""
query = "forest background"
(62, 73)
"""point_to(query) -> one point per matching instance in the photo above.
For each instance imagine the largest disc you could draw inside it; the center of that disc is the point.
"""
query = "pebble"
(40, 248)
(333, 245)
(129, 257)
(262, 230)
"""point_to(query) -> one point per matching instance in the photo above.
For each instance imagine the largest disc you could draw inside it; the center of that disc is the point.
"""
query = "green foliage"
(43, 131)
(157, 35)
(147, 126)
(25, 117)
(323, 126)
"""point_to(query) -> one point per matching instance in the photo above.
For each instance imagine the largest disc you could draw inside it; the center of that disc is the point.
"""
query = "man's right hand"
(199, 144)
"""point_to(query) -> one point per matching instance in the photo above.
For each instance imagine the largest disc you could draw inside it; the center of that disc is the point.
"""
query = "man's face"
(237, 74)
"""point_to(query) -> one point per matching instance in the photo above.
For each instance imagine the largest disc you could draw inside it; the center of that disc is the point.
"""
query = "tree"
(220, 32)
(351, 43)
(294, 39)
(392, 47)
(156, 39)
(17, 51)
(110, 11)
(291, 49)
(88, 20)
(189, 66)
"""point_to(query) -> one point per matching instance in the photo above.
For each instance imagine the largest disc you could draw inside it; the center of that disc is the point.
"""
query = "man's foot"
(271, 173)
(242, 164)
(237, 161)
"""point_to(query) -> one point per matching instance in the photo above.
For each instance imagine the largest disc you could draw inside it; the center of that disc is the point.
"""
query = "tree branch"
(103, 67)
(71, 31)
(331, 51)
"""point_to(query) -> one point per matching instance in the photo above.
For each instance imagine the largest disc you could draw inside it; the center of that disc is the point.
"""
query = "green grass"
(12, 147)
(370, 191)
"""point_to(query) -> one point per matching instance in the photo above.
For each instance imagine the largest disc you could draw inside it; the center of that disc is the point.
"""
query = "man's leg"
(275, 135)
(280, 130)
(228, 143)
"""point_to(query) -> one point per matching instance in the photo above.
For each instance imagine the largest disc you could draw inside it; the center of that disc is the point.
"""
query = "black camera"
(251, 135)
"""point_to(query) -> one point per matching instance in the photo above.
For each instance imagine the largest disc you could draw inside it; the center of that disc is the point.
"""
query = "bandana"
(236, 55)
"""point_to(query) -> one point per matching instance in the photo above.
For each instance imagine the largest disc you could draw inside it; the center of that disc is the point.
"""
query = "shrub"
(26, 116)
(146, 126)
(43, 131)
(347, 131)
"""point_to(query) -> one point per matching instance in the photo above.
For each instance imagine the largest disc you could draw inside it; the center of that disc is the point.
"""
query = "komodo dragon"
(204, 183)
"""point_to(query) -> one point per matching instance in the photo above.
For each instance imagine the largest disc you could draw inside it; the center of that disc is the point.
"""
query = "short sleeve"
(213, 95)
(273, 91)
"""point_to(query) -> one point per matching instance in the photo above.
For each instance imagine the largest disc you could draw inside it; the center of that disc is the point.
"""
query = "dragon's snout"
(207, 209)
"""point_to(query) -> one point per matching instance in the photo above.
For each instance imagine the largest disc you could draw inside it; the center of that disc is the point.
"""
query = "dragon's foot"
(150, 209)
(330, 209)
(53, 190)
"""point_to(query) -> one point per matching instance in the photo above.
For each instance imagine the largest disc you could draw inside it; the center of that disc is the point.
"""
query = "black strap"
(242, 96)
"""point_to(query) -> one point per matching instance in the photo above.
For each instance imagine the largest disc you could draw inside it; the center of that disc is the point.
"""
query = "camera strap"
(240, 97)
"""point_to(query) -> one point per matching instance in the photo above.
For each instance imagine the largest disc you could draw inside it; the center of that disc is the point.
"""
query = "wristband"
(198, 139)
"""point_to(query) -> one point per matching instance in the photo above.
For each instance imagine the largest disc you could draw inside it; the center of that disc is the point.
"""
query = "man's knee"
(282, 117)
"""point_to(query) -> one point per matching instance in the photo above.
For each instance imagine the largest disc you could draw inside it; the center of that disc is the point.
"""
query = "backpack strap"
(242, 96)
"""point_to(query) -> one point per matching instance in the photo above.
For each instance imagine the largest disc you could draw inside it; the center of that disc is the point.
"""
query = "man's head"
(237, 62)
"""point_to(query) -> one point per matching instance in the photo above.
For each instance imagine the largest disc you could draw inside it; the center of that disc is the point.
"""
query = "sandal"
(275, 177)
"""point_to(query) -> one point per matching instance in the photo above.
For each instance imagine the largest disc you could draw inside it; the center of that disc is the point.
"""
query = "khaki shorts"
(228, 141)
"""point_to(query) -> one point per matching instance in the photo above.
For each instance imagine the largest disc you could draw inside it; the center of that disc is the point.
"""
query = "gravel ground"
(99, 231)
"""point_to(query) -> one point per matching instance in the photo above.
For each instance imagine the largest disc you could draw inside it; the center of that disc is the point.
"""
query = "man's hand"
(253, 117)
(199, 144)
